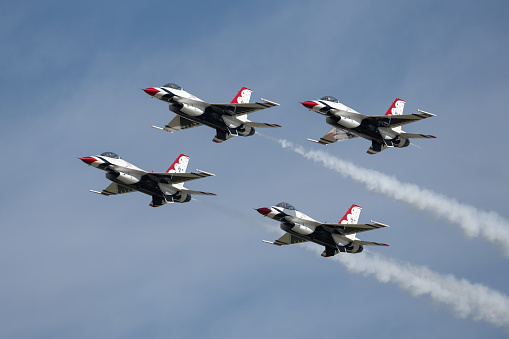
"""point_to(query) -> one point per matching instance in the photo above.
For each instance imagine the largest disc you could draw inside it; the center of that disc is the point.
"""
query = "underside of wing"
(178, 123)
(369, 243)
(176, 178)
(417, 136)
(261, 124)
(196, 192)
(286, 239)
(114, 189)
(397, 120)
(241, 109)
(334, 135)
(346, 229)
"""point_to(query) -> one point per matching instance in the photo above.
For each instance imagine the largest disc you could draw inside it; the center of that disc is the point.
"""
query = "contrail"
(474, 222)
(464, 299)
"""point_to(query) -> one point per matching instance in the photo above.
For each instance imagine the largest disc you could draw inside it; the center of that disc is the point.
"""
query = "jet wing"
(176, 178)
(178, 123)
(261, 124)
(197, 192)
(286, 239)
(369, 243)
(114, 189)
(417, 136)
(241, 109)
(334, 135)
(352, 228)
(397, 120)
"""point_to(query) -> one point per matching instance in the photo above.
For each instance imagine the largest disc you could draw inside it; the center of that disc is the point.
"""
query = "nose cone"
(151, 91)
(263, 210)
(309, 104)
(88, 160)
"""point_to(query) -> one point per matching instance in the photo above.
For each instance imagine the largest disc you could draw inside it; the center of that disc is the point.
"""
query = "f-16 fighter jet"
(227, 119)
(163, 187)
(335, 237)
(383, 130)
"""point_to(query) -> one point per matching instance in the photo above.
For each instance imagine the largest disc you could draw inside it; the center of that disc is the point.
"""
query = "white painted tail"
(179, 165)
(396, 108)
(352, 216)
(243, 96)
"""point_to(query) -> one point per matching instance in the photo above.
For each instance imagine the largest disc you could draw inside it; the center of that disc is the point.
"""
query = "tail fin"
(179, 165)
(352, 216)
(396, 108)
(243, 96)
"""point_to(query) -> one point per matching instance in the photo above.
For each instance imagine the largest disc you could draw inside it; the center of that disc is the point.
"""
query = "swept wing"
(343, 229)
(176, 178)
(334, 135)
(286, 239)
(397, 120)
(114, 189)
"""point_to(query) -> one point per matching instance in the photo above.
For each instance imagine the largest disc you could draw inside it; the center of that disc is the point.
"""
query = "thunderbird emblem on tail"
(335, 237)
(227, 119)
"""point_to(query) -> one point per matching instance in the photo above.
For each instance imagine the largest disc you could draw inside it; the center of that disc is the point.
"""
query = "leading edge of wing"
(400, 120)
(241, 109)
(176, 178)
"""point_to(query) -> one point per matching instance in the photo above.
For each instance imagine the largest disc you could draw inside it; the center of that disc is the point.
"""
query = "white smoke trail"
(463, 298)
(474, 222)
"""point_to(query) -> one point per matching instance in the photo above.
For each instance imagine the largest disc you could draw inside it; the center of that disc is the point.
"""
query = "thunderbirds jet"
(383, 130)
(163, 187)
(227, 119)
(335, 237)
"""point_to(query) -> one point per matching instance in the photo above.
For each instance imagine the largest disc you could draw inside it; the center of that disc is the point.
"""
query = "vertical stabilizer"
(396, 108)
(352, 216)
(243, 96)
(179, 165)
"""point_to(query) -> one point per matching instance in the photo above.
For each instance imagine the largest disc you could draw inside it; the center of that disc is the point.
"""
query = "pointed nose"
(151, 91)
(263, 210)
(88, 160)
(309, 104)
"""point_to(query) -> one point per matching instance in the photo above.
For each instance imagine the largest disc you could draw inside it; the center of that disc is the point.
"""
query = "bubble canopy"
(286, 205)
(110, 155)
(172, 85)
(329, 98)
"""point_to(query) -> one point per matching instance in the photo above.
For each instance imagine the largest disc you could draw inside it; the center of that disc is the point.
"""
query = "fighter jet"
(335, 237)
(163, 187)
(383, 130)
(227, 119)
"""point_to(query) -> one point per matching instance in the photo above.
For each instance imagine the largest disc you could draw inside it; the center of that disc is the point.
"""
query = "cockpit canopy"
(110, 155)
(329, 98)
(172, 85)
(286, 205)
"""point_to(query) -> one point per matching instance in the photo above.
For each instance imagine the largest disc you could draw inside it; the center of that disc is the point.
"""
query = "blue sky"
(75, 264)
